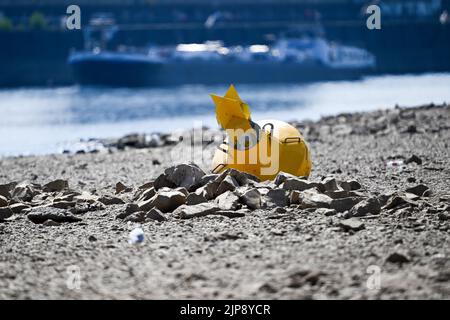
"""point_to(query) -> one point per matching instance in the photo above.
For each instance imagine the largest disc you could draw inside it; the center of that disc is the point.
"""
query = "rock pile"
(185, 191)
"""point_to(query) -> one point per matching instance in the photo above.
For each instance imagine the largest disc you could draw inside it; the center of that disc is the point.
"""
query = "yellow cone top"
(231, 111)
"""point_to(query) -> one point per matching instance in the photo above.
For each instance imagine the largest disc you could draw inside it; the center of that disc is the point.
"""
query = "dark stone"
(397, 257)
(155, 214)
(365, 207)
(110, 200)
(40, 215)
(344, 204)
(415, 159)
(56, 186)
(418, 190)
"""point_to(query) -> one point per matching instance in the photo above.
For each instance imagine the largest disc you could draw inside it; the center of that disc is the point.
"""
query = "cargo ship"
(290, 59)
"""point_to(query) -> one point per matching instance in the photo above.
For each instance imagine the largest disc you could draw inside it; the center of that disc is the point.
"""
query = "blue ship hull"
(131, 70)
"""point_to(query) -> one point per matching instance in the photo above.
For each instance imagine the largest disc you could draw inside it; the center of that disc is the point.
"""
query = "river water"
(47, 120)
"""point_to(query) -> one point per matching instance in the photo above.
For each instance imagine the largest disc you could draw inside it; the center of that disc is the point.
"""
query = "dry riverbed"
(371, 222)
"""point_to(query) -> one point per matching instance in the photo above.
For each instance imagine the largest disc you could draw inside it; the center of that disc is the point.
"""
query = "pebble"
(352, 224)
(138, 216)
(56, 186)
(414, 159)
(397, 257)
(155, 214)
(418, 190)
(110, 200)
(120, 187)
(198, 210)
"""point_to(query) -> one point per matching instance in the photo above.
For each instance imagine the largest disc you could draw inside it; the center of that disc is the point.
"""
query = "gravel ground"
(274, 253)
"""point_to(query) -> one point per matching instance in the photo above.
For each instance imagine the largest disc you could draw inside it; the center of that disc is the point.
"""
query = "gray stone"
(354, 185)
(396, 200)
(418, 190)
(3, 201)
(145, 205)
(352, 224)
(56, 185)
(326, 212)
(120, 187)
(110, 200)
(162, 181)
(147, 194)
(276, 198)
(184, 175)
(25, 191)
(228, 201)
(204, 180)
(209, 190)
(338, 194)
(298, 184)
(86, 197)
(227, 184)
(198, 210)
(251, 198)
(230, 214)
(344, 204)
(365, 207)
(6, 189)
(194, 198)
(5, 212)
(130, 208)
(313, 199)
(282, 177)
(350, 185)
(167, 201)
(63, 204)
(330, 184)
(138, 216)
(155, 214)
(40, 215)
(242, 178)
(183, 190)
(146, 186)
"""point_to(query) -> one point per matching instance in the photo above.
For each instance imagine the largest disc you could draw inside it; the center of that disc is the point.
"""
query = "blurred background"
(149, 65)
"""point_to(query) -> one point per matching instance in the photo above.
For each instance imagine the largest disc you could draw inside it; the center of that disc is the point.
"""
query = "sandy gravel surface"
(281, 252)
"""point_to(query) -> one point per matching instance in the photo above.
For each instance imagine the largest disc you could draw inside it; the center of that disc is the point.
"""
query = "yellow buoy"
(262, 148)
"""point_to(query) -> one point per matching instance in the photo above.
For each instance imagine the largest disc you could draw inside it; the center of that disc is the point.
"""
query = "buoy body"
(262, 148)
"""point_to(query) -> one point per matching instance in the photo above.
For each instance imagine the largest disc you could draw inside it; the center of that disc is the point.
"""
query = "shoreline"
(397, 220)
